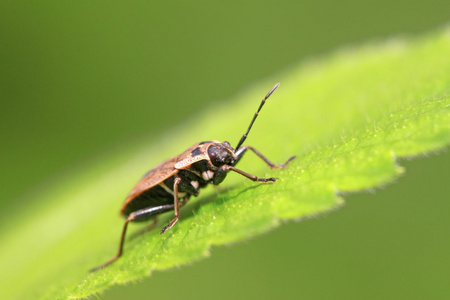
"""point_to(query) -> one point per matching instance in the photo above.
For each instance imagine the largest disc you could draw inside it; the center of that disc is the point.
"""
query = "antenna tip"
(272, 90)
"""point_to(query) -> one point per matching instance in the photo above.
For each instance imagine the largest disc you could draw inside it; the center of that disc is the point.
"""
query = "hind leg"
(136, 216)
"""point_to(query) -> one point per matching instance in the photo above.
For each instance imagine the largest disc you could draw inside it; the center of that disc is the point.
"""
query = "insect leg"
(243, 149)
(133, 217)
(176, 203)
(226, 168)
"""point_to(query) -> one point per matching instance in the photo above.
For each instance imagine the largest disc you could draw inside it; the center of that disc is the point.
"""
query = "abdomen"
(155, 196)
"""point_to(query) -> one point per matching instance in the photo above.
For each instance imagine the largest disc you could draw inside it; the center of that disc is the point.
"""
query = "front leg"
(240, 152)
(222, 172)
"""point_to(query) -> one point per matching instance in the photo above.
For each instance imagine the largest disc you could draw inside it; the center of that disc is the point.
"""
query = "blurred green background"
(83, 79)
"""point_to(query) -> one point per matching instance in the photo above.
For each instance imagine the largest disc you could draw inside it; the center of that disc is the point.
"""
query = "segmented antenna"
(254, 117)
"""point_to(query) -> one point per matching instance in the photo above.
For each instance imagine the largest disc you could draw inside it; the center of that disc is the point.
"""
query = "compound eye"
(218, 155)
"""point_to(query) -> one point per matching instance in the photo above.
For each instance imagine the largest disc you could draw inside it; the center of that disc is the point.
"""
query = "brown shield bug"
(169, 185)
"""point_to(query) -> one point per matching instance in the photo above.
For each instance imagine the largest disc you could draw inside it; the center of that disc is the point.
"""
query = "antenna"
(254, 117)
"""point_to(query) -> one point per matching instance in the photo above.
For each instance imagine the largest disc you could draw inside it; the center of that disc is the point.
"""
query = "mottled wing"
(153, 177)
(168, 168)
(194, 154)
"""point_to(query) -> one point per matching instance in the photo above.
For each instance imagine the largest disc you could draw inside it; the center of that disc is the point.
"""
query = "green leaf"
(347, 117)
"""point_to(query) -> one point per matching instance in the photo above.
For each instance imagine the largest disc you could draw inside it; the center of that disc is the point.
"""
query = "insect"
(169, 185)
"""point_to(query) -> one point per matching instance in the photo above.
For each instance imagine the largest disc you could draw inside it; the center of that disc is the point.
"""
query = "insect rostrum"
(169, 185)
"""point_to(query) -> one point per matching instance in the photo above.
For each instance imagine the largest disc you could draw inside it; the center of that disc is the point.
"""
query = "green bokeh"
(80, 79)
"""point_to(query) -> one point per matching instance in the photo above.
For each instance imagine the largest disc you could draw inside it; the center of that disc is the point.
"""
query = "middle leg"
(243, 149)
(176, 202)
